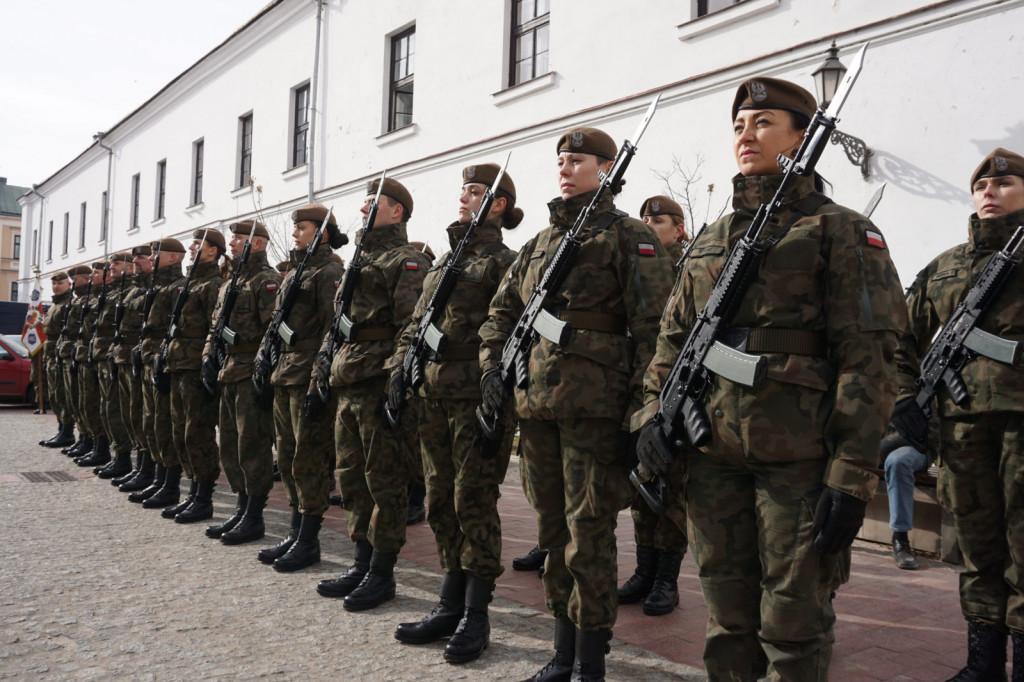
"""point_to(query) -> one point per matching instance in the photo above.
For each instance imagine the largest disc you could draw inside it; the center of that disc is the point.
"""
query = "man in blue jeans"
(901, 461)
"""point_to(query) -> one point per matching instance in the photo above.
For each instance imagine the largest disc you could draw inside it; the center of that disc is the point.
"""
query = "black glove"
(209, 373)
(911, 422)
(837, 518)
(322, 369)
(653, 449)
(313, 405)
(889, 445)
(396, 390)
(493, 392)
(625, 448)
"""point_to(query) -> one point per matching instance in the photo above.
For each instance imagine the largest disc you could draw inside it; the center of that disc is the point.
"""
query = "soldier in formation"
(88, 379)
(53, 326)
(81, 289)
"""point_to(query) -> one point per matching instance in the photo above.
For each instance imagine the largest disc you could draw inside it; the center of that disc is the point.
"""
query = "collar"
(318, 257)
(991, 234)
(383, 238)
(565, 211)
(257, 260)
(62, 298)
(485, 233)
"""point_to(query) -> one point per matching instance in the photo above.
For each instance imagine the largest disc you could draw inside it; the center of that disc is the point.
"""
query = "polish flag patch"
(412, 265)
(272, 286)
(645, 249)
(875, 239)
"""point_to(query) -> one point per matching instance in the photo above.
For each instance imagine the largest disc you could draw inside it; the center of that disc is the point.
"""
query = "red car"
(15, 365)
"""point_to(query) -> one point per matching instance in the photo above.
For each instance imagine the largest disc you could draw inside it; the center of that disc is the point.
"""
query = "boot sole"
(356, 607)
(231, 540)
(466, 658)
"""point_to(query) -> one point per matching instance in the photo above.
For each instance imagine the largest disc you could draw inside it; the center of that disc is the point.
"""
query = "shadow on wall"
(908, 177)
(1013, 140)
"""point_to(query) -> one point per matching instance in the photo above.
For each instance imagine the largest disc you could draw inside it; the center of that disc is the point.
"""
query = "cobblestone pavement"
(93, 587)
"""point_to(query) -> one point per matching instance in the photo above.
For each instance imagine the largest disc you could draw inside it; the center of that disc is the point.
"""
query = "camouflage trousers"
(194, 427)
(110, 411)
(305, 450)
(129, 393)
(462, 475)
(577, 484)
(766, 588)
(374, 465)
(56, 394)
(246, 440)
(981, 482)
(89, 401)
(156, 421)
(666, 533)
(69, 381)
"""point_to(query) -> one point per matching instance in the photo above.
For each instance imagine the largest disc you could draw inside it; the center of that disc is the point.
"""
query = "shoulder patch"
(645, 248)
(271, 286)
(945, 274)
(412, 265)
(874, 239)
(336, 283)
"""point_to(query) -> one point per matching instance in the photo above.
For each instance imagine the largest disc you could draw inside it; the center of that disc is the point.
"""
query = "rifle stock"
(220, 333)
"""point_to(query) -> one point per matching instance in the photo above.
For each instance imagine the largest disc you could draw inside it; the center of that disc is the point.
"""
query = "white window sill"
(132, 230)
(724, 17)
(515, 92)
(194, 208)
(239, 191)
(297, 172)
(158, 222)
(396, 135)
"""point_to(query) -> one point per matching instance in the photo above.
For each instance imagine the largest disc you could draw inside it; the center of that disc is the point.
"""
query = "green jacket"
(166, 293)
(131, 322)
(185, 352)
(66, 344)
(830, 275)
(54, 322)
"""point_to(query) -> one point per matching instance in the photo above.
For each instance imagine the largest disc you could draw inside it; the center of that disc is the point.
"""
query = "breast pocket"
(703, 268)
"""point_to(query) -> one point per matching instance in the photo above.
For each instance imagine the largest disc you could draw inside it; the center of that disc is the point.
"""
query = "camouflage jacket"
(103, 337)
(258, 284)
(131, 322)
(87, 331)
(992, 386)
(485, 261)
(310, 316)
(185, 351)
(54, 323)
(165, 293)
(675, 252)
(66, 345)
(623, 273)
(830, 275)
(389, 286)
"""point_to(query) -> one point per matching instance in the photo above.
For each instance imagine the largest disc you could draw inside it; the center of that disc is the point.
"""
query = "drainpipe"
(311, 144)
(36, 247)
(105, 220)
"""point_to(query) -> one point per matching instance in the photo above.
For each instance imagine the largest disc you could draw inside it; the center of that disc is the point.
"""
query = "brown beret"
(485, 174)
(59, 277)
(79, 270)
(253, 227)
(999, 162)
(100, 264)
(588, 141)
(170, 244)
(395, 190)
(316, 213)
(122, 256)
(773, 93)
(660, 205)
(142, 250)
(211, 236)
(284, 266)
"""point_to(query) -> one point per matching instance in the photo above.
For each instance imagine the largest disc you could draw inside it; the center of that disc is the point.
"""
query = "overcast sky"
(75, 67)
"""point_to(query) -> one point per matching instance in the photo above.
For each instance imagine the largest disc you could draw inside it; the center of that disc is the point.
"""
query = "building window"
(197, 172)
(49, 245)
(81, 227)
(134, 213)
(705, 7)
(244, 150)
(14, 291)
(161, 188)
(104, 217)
(16, 253)
(403, 52)
(300, 131)
(530, 19)
(67, 226)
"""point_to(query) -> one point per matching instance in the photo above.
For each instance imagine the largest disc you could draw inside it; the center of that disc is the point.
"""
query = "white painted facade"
(941, 87)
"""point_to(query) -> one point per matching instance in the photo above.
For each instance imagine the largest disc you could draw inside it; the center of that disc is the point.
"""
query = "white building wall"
(939, 90)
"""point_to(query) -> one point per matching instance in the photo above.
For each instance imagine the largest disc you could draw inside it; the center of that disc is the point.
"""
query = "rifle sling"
(774, 340)
(240, 348)
(385, 333)
(459, 352)
(594, 321)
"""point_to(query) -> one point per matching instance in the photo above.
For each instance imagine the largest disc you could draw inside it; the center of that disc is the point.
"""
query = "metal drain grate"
(47, 476)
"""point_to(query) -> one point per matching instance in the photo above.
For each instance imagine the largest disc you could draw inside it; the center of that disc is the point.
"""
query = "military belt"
(105, 330)
(386, 333)
(774, 340)
(244, 348)
(595, 322)
(461, 351)
(303, 345)
(191, 333)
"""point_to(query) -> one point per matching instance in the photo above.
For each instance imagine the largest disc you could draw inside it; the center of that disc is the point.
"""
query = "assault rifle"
(535, 320)
(161, 379)
(960, 341)
(100, 303)
(702, 355)
(222, 335)
(81, 324)
(429, 341)
(63, 329)
(147, 305)
(279, 332)
(118, 318)
(342, 327)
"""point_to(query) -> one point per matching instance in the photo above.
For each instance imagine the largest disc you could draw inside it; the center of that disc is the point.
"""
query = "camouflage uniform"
(981, 467)
(66, 352)
(156, 405)
(246, 426)
(130, 386)
(752, 490)
(305, 447)
(88, 379)
(110, 403)
(580, 396)
(375, 461)
(52, 326)
(193, 410)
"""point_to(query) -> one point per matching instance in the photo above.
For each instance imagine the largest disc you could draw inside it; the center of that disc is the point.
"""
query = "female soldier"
(575, 411)
(462, 470)
(981, 465)
(776, 496)
(660, 540)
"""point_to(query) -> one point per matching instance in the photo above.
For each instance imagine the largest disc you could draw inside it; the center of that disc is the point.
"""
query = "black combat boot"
(338, 588)
(100, 453)
(444, 619)
(305, 551)
(531, 561)
(591, 648)
(559, 668)
(141, 477)
(270, 554)
(201, 507)
(175, 509)
(902, 552)
(82, 446)
(474, 631)
(377, 586)
(417, 511)
(169, 492)
(218, 531)
(664, 594)
(159, 476)
(132, 473)
(64, 437)
(120, 465)
(986, 655)
(250, 527)
(640, 583)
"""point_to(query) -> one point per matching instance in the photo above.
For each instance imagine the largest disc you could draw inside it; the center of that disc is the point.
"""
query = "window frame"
(518, 30)
(83, 211)
(160, 200)
(198, 159)
(133, 213)
(16, 247)
(67, 228)
(49, 245)
(398, 86)
(14, 290)
(244, 153)
(105, 215)
(300, 125)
